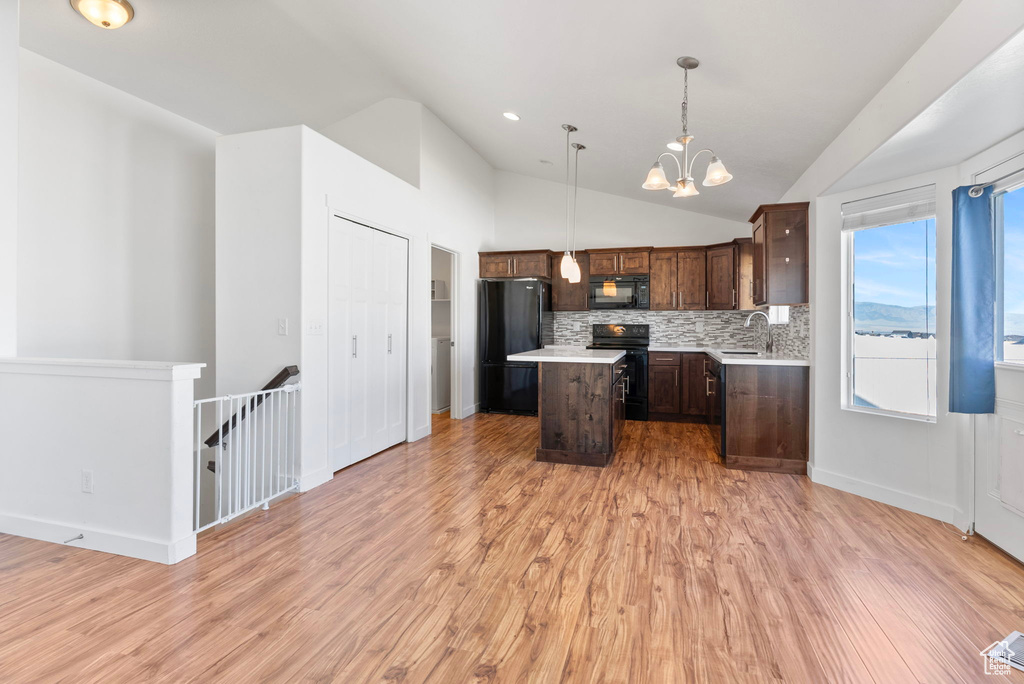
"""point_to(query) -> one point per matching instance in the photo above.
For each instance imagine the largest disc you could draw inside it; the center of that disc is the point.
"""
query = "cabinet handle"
(355, 346)
(677, 377)
(751, 288)
(515, 266)
(707, 386)
(707, 300)
(510, 266)
(625, 381)
(673, 300)
(705, 365)
(389, 343)
(734, 297)
(624, 390)
(615, 263)
(664, 358)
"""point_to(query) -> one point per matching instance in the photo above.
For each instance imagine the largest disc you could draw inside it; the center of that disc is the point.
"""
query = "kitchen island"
(581, 404)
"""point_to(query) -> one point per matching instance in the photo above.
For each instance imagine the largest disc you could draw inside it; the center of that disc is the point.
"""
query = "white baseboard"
(470, 410)
(96, 540)
(893, 497)
(315, 479)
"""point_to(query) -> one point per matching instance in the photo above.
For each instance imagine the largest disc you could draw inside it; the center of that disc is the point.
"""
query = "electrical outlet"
(699, 326)
(87, 481)
(282, 326)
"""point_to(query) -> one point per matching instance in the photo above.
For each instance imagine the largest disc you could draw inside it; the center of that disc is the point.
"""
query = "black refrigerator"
(515, 316)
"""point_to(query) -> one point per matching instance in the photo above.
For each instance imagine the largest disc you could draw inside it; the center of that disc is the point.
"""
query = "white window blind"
(904, 206)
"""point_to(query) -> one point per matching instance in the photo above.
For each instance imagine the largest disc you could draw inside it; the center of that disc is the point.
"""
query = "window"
(890, 304)
(1009, 213)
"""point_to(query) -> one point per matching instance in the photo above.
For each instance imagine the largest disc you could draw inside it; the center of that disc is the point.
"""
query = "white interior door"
(999, 477)
(368, 319)
(359, 279)
(396, 255)
(339, 340)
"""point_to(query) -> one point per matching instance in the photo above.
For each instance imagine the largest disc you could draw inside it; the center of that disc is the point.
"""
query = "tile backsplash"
(670, 328)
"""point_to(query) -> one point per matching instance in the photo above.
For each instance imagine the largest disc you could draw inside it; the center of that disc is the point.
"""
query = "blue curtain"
(972, 379)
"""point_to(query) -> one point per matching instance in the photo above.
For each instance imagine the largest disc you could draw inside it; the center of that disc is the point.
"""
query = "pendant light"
(569, 268)
(684, 186)
(108, 14)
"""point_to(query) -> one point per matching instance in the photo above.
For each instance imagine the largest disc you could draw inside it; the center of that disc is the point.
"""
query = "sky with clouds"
(1013, 256)
(896, 264)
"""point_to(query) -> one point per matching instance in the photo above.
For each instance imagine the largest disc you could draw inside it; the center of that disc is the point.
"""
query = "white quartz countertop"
(730, 355)
(569, 355)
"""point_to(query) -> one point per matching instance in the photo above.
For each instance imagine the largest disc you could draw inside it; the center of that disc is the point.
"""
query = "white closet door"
(377, 398)
(339, 341)
(360, 279)
(397, 257)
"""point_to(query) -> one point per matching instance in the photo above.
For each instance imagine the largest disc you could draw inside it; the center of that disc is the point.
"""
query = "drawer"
(663, 358)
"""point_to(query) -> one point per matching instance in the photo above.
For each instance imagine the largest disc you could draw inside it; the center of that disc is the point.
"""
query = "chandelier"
(684, 186)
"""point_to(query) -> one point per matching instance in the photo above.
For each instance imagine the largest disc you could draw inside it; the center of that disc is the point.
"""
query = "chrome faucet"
(768, 345)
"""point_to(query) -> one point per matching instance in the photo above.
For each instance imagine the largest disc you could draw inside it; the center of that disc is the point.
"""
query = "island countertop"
(569, 355)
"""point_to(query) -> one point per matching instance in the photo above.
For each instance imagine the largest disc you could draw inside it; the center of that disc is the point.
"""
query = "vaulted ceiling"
(777, 82)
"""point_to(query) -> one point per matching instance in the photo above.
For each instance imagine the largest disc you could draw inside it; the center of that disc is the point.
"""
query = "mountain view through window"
(893, 348)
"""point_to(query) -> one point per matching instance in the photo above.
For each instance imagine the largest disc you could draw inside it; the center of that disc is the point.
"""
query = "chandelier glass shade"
(684, 186)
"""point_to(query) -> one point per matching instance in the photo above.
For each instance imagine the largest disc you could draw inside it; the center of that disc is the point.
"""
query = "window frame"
(847, 273)
(1012, 183)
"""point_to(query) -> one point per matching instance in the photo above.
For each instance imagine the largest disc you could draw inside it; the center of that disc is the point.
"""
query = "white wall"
(530, 214)
(275, 191)
(129, 424)
(116, 251)
(8, 176)
(386, 133)
(906, 463)
(924, 462)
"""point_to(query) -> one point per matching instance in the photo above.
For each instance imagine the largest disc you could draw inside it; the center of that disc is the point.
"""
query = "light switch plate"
(282, 326)
(87, 481)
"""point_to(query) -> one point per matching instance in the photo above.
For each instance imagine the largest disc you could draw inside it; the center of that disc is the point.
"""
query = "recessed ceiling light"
(108, 14)
(676, 146)
(511, 116)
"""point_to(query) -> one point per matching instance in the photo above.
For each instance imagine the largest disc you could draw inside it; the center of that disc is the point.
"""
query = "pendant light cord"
(575, 188)
(568, 132)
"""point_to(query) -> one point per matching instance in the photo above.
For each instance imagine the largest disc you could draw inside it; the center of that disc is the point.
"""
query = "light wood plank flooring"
(461, 559)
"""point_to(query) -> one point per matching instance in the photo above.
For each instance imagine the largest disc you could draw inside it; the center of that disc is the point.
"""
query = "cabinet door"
(663, 291)
(663, 390)
(694, 395)
(634, 263)
(358, 277)
(495, 266)
(691, 282)
(721, 278)
(786, 257)
(604, 263)
(566, 296)
(618, 410)
(759, 261)
(535, 265)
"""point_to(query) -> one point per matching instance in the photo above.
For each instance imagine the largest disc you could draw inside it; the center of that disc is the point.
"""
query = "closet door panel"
(377, 347)
(339, 343)
(359, 278)
(397, 257)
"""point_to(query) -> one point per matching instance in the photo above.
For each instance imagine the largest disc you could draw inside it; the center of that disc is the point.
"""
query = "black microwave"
(620, 292)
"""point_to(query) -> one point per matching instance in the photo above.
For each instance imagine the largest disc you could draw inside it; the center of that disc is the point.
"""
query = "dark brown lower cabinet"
(766, 418)
(582, 412)
(676, 389)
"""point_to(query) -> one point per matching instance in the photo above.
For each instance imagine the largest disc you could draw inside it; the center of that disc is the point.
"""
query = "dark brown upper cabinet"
(618, 262)
(566, 296)
(779, 255)
(678, 280)
(721, 275)
(515, 264)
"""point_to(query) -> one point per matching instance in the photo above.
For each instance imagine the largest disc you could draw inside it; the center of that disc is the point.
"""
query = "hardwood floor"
(461, 559)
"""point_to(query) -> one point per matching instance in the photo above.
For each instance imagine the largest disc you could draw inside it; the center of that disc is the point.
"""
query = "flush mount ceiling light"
(108, 14)
(684, 185)
(570, 269)
(511, 116)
